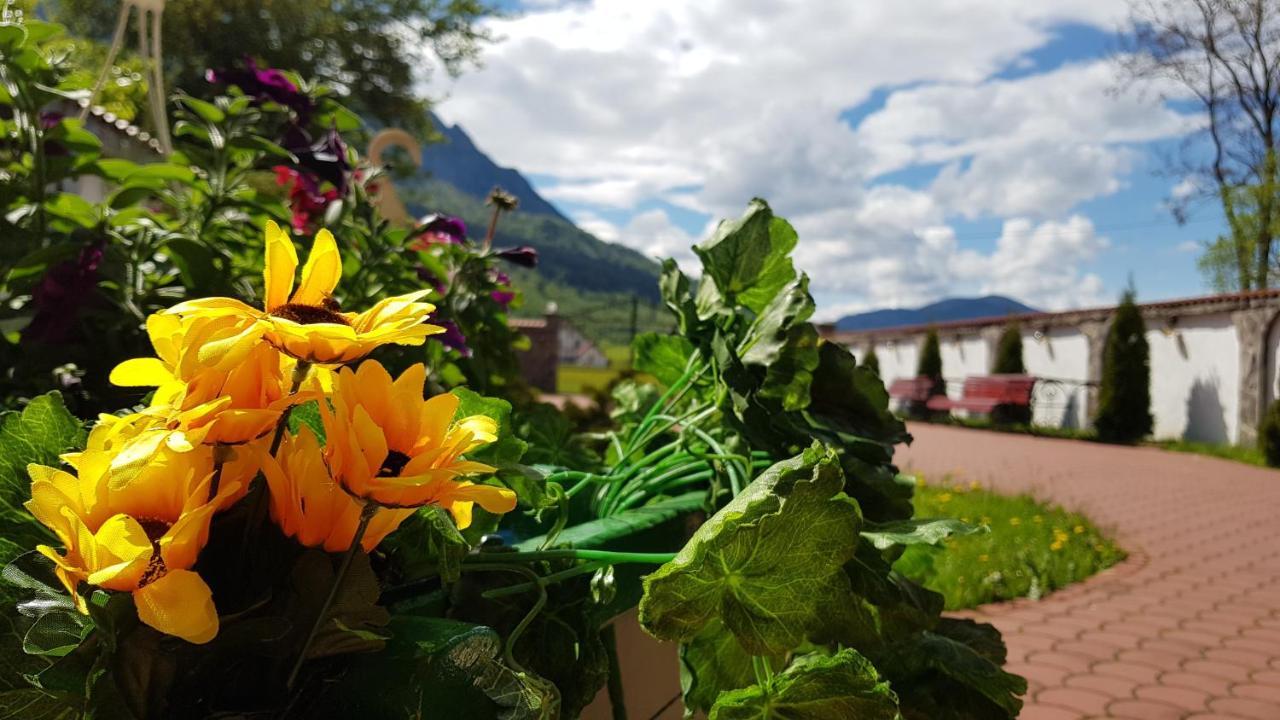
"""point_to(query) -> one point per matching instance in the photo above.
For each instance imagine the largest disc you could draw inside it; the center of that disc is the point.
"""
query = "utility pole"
(631, 335)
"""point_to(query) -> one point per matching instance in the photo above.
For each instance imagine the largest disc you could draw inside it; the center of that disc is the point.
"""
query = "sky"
(922, 148)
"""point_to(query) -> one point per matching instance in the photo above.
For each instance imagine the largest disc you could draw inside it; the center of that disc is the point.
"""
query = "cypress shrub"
(1124, 398)
(930, 365)
(1009, 352)
(1009, 362)
(871, 362)
(1269, 435)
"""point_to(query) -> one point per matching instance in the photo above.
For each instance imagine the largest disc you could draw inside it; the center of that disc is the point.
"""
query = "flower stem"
(366, 514)
(221, 453)
(607, 556)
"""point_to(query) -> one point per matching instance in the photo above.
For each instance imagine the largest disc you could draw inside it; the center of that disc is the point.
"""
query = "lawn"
(1031, 550)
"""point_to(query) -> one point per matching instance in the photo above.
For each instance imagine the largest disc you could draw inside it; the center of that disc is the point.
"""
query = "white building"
(1214, 362)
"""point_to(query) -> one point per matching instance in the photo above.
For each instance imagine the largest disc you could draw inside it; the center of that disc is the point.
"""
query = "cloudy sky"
(922, 148)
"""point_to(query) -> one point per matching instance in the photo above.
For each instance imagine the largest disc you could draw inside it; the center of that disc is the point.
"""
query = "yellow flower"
(944, 498)
(306, 323)
(236, 399)
(1015, 521)
(308, 505)
(1079, 529)
(140, 536)
(385, 443)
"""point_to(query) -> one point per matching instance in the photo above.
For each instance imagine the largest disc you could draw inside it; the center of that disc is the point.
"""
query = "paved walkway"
(1187, 627)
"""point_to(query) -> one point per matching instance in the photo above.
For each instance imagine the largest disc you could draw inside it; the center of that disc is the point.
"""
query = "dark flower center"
(311, 314)
(394, 464)
(155, 529)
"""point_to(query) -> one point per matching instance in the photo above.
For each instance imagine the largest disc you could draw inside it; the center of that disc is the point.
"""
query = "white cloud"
(705, 105)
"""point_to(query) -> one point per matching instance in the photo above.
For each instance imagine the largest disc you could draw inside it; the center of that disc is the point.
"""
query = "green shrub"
(1009, 352)
(1269, 435)
(930, 364)
(870, 361)
(1124, 405)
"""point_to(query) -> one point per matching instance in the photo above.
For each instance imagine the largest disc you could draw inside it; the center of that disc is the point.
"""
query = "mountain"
(460, 163)
(938, 312)
(456, 176)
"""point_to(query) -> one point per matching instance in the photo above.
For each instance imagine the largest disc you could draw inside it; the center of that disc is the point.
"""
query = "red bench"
(986, 393)
(912, 390)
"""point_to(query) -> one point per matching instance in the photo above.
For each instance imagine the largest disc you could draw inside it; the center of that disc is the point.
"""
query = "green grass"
(1239, 453)
(1031, 550)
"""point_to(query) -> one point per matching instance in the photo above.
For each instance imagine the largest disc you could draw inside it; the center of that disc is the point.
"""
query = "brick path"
(1187, 627)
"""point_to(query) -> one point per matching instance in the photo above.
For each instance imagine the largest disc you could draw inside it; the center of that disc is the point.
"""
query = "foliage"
(930, 363)
(1212, 54)
(1031, 550)
(373, 52)
(1009, 352)
(1009, 361)
(1124, 397)
(388, 547)
(870, 361)
(1269, 435)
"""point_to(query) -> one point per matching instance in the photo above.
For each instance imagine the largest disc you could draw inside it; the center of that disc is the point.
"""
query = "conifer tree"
(870, 361)
(1009, 352)
(1124, 398)
(930, 365)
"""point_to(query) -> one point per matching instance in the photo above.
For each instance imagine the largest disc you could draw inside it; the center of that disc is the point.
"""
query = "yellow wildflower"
(308, 505)
(141, 536)
(306, 323)
(387, 444)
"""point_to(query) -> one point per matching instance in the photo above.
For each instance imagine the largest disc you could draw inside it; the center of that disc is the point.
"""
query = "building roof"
(1197, 304)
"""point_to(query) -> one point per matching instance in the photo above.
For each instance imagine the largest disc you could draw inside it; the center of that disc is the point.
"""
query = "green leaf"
(355, 618)
(785, 344)
(508, 447)
(852, 399)
(427, 543)
(814, 687)
(919, 531)
(56, 633)
(673, 286)
(663, 356)
(944, 678)
(12, 37)
(41, 432)
(308, 414)
(749, 258)
(552, 439)
(712, 663)
(72, 208)
(432, 667)
(162, 171)
(769, 564)
(195, 262)
(206, 111)
(597, 533)
(35, 704)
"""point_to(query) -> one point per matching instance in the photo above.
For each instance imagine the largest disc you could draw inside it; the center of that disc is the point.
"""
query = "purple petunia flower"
(453, 338)
(61, 293)
(524, 256)
(325, 158)
(436, 228)
(503, 297)
(263, 85)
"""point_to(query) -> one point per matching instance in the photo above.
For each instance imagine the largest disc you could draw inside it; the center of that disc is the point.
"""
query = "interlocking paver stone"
(1187, 627)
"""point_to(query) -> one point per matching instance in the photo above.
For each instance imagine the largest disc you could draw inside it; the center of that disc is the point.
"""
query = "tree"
(1224, 54)
(930, 364)
(1009, 352)
(870, 361)
(1124, 398)
(374, 52)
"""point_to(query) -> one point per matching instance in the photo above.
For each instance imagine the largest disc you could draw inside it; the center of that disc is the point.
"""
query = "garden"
(268, 454)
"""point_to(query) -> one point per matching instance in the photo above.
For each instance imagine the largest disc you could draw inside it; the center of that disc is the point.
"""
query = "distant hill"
(941, 311)
(575, 269)
(460, 163)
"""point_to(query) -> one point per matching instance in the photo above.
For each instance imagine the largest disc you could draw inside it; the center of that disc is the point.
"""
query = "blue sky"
(922, 150)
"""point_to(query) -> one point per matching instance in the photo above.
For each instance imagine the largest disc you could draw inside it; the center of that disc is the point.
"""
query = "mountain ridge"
(945, 310)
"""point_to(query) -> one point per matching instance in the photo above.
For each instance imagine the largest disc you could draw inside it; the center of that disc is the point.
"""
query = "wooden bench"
(984, 394)
(911, 390)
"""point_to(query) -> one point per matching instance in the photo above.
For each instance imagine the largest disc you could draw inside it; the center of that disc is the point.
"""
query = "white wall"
(1060, 354)
(1195, 379)
(1195, 373)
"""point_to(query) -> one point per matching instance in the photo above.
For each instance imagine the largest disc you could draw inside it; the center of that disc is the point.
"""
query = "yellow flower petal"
(140, 372)
(279, 267)
(179, 604)
(118, 553)
(321, 273)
